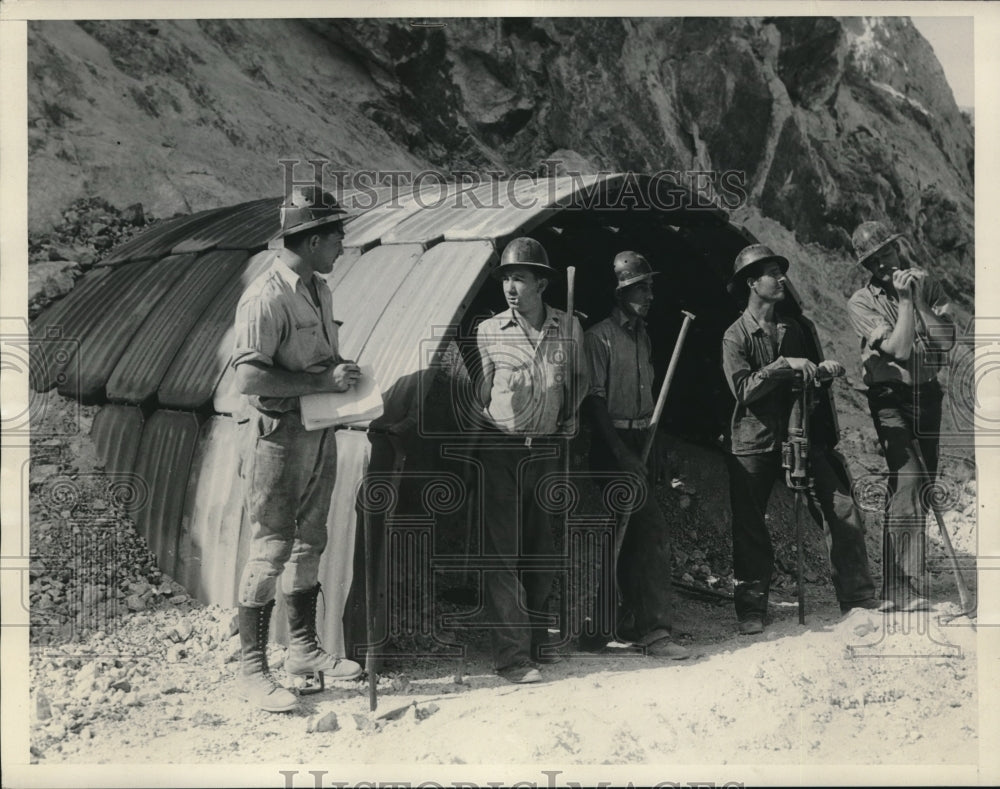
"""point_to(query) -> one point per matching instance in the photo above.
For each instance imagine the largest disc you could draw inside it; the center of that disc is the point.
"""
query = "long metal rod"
(801, 560)
(575, 353)
(965, 597)
(369, 614)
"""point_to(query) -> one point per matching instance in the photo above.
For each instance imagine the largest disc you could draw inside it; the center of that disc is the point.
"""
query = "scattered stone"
(134, 215)
(687, 578)
(135, 602)
(425, 711)
(176, 653)
(181, 631)
(363, 722)
(327, 722)
(43, 710)
(179, 598)
(123, 685)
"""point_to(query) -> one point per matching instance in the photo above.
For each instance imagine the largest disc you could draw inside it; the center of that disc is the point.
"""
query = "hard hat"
(751, 256)
(308, 207)
(527, 252)
(630, 268)
(869, 238)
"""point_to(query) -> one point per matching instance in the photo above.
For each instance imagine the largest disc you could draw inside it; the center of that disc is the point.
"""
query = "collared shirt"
(619, 356)
(874, 313)
(757, 372)
(536, 389)
(278, 324)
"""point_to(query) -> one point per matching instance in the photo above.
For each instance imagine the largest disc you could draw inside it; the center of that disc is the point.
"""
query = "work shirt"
(536, 389)
(619, 357)
(758, 373)
(278, 324)
(874, 313)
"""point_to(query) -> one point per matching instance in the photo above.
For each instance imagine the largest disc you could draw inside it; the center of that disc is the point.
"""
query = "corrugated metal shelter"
(148, 332)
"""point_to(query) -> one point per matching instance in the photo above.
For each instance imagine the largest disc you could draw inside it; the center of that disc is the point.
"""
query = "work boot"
(666, 648)
(305, 656)
(520, 673)
(870, 604)
(256, 684)
(751, 626)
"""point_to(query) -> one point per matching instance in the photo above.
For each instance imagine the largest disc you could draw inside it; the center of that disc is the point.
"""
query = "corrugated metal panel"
(361, 297)
(150, 352)
(157, 242)
(121, 314)
(199, 364)
(88, 310)
(245, 226)
(525, 206)
(56, 332)
(428, 226)
(435, 294)
(361, 289)
(116, 432)
(368, 229)
(213, 514)
(163, 463)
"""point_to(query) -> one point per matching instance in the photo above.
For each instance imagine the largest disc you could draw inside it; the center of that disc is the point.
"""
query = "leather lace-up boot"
(256, 682)
(305, 656)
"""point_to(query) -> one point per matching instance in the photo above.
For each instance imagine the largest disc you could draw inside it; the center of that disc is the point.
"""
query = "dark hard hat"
(752, 256)
(630, 268)
(308, 207)
(869, 238)
(525, 252)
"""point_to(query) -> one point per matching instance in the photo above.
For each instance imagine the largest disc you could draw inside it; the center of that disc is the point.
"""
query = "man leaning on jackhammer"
(762, 353)
(286, 346)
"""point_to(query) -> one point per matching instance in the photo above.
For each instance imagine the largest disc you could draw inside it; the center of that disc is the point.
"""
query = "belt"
(517, 439)
(631, 424)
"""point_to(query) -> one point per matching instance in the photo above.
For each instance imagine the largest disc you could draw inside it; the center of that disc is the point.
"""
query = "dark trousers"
(901, 414)
(517, 536)
(751, 478)
(644, 565)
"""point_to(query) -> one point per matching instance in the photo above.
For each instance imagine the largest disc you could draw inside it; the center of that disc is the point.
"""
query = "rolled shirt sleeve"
(869, 324)
(258, 332)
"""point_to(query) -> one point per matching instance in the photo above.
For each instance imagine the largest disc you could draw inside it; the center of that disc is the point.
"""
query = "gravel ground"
(127, 669)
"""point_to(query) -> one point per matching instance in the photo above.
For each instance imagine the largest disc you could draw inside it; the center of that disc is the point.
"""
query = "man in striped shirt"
(902, 319)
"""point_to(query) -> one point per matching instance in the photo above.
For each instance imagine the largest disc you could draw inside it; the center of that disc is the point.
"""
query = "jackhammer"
(795, 461)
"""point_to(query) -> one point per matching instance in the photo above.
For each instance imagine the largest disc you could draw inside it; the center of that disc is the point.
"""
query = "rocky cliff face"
(833, 121)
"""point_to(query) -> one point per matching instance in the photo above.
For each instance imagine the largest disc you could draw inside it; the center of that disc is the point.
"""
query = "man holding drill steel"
(619, 405)
(902, 321)
(763, 355)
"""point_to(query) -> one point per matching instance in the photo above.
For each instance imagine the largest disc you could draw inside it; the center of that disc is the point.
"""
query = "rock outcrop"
(832, 121)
